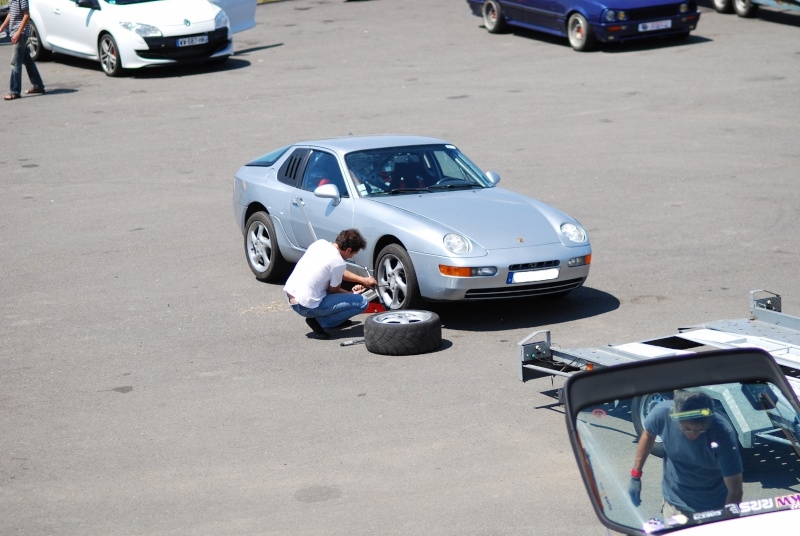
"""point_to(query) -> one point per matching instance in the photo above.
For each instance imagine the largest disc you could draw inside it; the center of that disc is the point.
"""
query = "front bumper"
(642, 29)
(437, 287)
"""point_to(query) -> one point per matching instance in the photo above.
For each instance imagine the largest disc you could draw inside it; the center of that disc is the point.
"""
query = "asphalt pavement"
(150, 385)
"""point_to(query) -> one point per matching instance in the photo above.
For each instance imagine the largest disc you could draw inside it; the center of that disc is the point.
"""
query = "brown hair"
(351, 239)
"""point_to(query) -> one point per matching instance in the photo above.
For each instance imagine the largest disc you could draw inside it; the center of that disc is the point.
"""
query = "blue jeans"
(20, 55)
(334, 309)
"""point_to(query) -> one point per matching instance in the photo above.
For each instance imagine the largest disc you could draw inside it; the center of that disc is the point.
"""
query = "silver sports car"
(437, 227)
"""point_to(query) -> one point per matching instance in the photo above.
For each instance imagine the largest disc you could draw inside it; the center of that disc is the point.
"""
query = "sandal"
(34, 91)
(11, 96)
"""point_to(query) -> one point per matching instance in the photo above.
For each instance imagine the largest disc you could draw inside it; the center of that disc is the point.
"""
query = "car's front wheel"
(397, 281)
(37, 51)
(108, 53)
(745, 8)
(580, 35)
(261, 248)
(493, 19)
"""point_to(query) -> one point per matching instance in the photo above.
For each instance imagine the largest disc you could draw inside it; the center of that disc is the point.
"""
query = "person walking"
(18, 28)
(314, 286)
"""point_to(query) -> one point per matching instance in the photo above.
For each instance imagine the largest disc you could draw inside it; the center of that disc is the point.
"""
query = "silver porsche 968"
(437, 227)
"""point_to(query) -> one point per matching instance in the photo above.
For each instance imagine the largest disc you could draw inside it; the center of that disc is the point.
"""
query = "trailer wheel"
(405, 332)
(640, 409)
(723, 6)
(745, 8)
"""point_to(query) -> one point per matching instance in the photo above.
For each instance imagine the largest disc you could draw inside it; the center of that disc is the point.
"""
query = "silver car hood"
(492, 217)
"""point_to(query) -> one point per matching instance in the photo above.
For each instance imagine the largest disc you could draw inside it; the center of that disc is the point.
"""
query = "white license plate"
(191, 41)
(535, 275)
(655, 25)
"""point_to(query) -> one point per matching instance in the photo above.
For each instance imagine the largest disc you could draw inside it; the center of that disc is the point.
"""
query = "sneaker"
(318, 330)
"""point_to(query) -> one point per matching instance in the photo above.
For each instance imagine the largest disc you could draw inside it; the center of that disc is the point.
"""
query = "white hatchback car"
(130, 34)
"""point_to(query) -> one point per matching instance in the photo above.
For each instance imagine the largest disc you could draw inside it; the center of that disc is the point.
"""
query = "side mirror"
(91, 4)
(721, 434)
(493, 177)
(329, 191)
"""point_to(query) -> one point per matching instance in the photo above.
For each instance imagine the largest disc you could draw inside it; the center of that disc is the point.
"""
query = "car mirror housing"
(493, 177)
(329, 191)
(747, 414)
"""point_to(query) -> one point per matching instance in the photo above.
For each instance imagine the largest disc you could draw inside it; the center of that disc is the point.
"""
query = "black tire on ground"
(108, 53)
(493, 19)
(640, 409)
(723, 6)
(745, 8)
(261, 248)
(397, 280)
(403, 332)
(35, 47)
(580, 35)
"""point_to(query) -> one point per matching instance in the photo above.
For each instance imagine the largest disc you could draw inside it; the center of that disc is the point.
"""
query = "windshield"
(418, 169)
(701, 455)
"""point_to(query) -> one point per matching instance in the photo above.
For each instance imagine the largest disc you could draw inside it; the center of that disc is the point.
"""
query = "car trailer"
(767, 328)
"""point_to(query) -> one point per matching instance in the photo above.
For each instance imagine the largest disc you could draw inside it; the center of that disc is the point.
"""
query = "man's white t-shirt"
(321, 266)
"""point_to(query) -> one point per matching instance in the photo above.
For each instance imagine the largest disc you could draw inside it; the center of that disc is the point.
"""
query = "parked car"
(743, 393)
(587, 22)
(437, 227)
(130, 34)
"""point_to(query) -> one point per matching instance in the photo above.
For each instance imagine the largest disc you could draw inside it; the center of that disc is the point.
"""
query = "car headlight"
(612, 15)
(573, 232)
(455, 243)
(221, 21)
(142, 30)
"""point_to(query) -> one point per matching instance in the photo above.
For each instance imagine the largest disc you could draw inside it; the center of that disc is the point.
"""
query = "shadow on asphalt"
(525, 313)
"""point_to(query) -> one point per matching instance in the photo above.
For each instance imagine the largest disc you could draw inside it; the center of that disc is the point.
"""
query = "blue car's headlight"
(612, 15)
(455, 243)
(221, 21)
(573, 232)
(143, 30)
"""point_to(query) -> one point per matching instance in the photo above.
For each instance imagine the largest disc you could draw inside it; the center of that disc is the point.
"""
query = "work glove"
(635, 491)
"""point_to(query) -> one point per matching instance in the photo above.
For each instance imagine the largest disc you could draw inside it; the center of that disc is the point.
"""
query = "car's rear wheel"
(403, 332)
(397, 280)
(723, 6)
(581, 37)
(108, 53)
(745, 8)
(493, 19)
(37, 51)
(261, 248)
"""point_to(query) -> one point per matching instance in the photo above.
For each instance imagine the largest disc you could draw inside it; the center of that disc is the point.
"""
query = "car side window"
(323, 168)
(292, 168)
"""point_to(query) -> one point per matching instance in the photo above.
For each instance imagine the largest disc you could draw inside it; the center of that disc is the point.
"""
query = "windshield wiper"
(461, 186)
(408, 191)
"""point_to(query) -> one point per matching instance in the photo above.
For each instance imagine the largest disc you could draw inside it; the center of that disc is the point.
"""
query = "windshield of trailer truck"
(696, 456)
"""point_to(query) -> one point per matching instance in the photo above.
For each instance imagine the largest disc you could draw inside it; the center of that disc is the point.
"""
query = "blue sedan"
(587, 22)
(437, 227)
